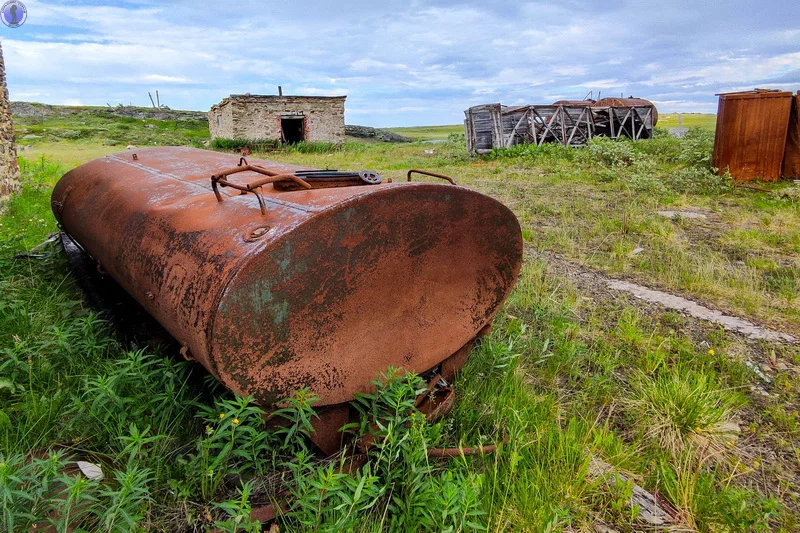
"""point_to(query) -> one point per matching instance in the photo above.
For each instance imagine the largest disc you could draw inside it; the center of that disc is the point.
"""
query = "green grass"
(429, 133)
(570, 373)
(706, 121)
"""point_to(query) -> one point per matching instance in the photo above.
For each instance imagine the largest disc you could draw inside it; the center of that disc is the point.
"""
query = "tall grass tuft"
(676, 406)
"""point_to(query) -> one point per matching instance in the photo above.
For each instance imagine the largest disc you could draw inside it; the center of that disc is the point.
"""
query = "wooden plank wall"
(494, 126)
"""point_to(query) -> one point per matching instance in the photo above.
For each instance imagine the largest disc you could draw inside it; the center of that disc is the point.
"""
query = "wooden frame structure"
(493, 126)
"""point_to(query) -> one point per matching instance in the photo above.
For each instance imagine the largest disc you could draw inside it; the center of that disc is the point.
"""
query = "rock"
(130, 147)
(652, 510)
(91, 471)
(637, 251)
(33, 109)
(151, 126)
(365, 132)
(31, 136)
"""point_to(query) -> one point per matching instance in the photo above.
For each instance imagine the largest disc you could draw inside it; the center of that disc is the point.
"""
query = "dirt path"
(598, 284)
(679, 303)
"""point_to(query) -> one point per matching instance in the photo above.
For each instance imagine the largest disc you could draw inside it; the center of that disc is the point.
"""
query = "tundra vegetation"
(572, 376)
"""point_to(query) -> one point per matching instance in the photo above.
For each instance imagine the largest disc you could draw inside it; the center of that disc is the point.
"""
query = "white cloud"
(406, 63)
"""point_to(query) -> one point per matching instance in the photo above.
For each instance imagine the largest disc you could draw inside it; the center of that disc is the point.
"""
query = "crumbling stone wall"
(9, 169)
(259, 117)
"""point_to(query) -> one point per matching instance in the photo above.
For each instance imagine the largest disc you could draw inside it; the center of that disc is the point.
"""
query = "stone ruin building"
(289, 119)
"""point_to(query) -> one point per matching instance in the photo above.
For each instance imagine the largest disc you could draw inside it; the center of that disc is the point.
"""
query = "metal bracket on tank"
(218, 180)
(426, 173)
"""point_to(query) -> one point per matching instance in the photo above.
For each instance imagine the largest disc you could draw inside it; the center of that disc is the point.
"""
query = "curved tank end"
(403, 276)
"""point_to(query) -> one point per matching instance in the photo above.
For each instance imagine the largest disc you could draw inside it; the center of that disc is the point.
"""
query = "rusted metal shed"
(791, 156)
(751, 133)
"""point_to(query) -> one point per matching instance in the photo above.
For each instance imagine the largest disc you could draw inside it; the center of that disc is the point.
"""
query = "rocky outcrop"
(34, 109)
(9, 169)
(365, 132)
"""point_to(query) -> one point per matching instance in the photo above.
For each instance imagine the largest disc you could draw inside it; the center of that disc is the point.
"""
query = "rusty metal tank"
(629, 102)
(276, 277)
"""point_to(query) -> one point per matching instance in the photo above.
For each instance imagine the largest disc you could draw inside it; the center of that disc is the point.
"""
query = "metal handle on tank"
(219, 180)
(434, 174)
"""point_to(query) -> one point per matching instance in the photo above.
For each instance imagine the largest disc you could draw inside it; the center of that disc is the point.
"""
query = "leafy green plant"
(237, 513)
(698, 180)
(697, 146)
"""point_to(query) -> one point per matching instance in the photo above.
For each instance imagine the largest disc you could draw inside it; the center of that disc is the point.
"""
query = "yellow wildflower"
(235, 421)
(221, 416)
(711, 351)
(756, 463)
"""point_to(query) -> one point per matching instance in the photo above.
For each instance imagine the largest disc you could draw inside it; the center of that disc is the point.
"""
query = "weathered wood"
(493, 126)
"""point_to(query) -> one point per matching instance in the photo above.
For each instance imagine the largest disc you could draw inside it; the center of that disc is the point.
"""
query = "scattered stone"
(33, 109)
(430, 152)
(651, 510)
(130, 147)
(637, 251)
(365, 132)
(91, 470)
(678, 303)
(31, 136)
(151, 126)
(602, 527)
(682, 214)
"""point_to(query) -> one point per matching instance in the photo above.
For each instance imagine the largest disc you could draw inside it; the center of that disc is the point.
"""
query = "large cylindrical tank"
(324, 289)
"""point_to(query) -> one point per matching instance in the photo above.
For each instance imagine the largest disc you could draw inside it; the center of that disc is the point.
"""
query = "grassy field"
(572, 376)
(706, 121)
(429, 133)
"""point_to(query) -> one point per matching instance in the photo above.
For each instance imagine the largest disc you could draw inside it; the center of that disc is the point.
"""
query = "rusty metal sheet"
(751, 134)
(791, 156)
(575, 103)
(324, 290)
(628, 102)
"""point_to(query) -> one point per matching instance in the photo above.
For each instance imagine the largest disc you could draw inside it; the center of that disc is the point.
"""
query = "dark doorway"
(292, 130)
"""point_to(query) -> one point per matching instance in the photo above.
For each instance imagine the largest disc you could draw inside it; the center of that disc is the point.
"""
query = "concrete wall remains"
(320, 118)
(9, 168)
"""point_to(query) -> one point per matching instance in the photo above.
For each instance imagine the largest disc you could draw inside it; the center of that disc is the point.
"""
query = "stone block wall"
(259, 117)
(9, 169)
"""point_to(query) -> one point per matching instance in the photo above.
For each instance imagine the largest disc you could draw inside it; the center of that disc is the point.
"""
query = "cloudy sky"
(401, 63)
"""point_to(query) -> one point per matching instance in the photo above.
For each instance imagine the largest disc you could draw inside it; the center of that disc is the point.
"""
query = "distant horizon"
(346, 122)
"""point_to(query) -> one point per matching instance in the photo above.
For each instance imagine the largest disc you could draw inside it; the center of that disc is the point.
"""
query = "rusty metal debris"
(426, 173)
(274, 289)
(751, 134)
